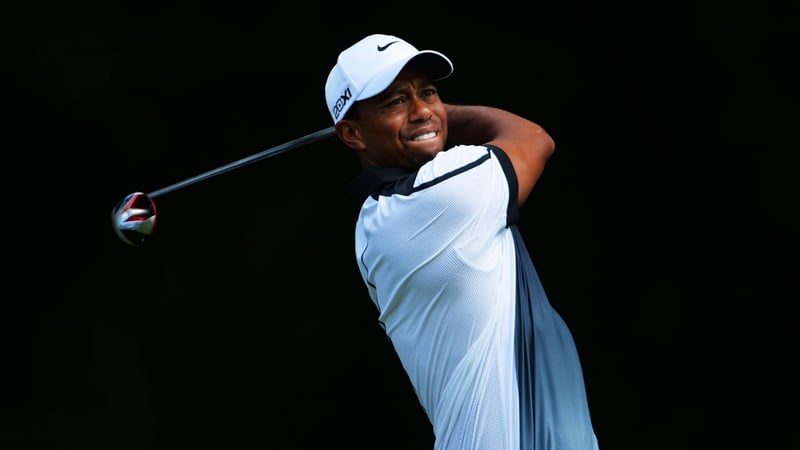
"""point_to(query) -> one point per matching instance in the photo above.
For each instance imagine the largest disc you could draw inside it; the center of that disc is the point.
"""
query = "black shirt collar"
(371, 181)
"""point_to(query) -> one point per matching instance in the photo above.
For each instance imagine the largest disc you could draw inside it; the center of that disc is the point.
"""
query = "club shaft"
(299, 142)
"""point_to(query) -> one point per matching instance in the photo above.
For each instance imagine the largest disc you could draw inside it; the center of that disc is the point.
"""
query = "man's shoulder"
(453, 161)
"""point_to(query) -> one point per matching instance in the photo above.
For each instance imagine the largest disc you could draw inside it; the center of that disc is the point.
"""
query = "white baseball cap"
(370, 65)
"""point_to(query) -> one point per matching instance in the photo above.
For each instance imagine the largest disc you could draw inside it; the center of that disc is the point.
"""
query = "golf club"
(134, 217)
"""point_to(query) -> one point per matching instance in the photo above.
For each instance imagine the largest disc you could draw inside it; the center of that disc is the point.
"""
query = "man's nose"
(420, 110)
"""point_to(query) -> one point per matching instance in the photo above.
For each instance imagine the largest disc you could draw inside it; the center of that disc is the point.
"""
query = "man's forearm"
(475, 124)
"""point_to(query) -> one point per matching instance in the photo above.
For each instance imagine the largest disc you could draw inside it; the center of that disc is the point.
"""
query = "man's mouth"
(425, 137)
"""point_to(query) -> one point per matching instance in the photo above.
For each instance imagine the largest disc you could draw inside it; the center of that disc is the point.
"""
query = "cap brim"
(432, 62)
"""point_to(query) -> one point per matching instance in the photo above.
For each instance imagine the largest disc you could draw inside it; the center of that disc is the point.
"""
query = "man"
(493, 364)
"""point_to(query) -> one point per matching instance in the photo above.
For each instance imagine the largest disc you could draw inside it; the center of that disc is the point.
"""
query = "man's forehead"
(407, 78)
(413, 71)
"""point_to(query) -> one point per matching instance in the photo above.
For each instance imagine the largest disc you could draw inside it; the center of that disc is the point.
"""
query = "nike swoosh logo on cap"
(380, 49)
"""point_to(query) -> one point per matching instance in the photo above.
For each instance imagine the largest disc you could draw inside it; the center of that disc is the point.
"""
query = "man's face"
(405, 126)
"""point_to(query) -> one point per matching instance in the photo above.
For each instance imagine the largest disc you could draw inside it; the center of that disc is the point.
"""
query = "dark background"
(664, 228)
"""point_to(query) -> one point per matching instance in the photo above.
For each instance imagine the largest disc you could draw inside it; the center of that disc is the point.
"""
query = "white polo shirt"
(491, 362)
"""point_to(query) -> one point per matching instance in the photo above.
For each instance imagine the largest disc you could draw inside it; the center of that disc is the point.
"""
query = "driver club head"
(134, 218)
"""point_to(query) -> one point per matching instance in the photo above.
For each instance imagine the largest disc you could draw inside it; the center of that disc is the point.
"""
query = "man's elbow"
(546, 145)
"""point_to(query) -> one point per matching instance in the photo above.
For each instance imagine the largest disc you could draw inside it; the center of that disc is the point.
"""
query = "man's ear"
(347, 131)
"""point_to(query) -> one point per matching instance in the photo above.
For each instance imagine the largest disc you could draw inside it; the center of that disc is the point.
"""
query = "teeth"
(425, 136)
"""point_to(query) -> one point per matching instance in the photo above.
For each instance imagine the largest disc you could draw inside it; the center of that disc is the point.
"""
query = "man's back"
(443, 265)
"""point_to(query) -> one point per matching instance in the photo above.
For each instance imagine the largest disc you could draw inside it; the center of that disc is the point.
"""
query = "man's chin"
(431, 146)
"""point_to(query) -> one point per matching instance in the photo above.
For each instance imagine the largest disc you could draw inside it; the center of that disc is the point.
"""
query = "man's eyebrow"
(403, 88)
(393, 90)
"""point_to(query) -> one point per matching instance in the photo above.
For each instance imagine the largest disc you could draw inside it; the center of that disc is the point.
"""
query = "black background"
(664, 228)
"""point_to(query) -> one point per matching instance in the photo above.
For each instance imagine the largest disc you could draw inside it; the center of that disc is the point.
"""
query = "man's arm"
(527, 144)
